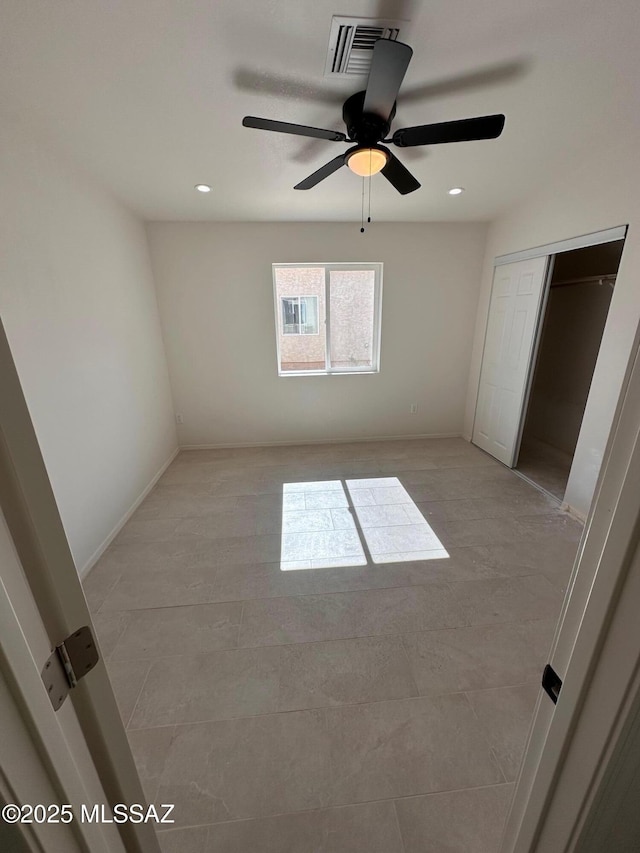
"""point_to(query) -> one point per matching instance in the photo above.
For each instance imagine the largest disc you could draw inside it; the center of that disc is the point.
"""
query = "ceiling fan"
(368, 116)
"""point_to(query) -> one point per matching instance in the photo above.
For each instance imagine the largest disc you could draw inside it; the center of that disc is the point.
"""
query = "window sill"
(298, 373)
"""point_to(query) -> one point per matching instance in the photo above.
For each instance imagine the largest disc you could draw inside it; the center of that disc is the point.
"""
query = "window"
(299, 315)
(327, 318)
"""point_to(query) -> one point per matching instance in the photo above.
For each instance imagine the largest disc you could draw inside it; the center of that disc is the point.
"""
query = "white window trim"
(301, 296)
(377, 318)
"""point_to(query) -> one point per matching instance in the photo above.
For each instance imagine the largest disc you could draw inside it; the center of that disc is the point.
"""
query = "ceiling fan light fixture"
(367, 161)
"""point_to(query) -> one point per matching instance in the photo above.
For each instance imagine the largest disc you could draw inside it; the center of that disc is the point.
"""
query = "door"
(576, 747)
(44, 759)
(77, 754)
(516, 299)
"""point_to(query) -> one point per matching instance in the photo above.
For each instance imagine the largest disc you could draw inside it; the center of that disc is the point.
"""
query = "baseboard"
(93, 559)
(297, 443)
(573, 512)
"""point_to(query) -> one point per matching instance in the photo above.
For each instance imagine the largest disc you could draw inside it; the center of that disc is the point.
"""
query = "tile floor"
(333, 649)
(547, 466)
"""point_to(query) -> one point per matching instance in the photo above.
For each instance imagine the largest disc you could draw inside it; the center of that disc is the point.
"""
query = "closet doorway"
(577, 302)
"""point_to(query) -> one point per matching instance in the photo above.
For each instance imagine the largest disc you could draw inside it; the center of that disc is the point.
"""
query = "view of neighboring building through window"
(328, 317)
(299, 315)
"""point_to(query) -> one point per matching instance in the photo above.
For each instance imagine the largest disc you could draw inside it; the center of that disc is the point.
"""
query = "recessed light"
(456, 190)
(203, 188)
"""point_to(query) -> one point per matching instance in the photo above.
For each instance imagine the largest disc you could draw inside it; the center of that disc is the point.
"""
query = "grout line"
(463, 625)
(323, 709)
(441, 582)
(395, 799)
(401, 634)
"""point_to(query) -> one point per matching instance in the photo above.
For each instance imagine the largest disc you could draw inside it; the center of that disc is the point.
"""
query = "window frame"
(300, 324)
(328, 268)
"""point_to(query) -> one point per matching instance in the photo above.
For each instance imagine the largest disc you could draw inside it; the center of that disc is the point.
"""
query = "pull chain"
(362, 210)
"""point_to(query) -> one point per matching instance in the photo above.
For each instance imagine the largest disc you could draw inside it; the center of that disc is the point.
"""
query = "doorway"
(579, 294)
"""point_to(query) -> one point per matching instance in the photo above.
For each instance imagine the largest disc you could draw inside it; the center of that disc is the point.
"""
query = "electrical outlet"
(179, 418)
(413, 408)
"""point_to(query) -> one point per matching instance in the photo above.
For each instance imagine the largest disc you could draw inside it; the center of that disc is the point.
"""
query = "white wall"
(216, 300)
(79, 308)
(599, 192)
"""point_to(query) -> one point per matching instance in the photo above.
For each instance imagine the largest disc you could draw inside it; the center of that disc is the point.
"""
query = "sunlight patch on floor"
(319, 528)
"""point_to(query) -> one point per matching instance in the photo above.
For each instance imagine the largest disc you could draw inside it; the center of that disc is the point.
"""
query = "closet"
(578, 296)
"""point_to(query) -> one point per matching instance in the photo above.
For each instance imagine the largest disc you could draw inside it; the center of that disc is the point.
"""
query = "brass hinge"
(68, 663)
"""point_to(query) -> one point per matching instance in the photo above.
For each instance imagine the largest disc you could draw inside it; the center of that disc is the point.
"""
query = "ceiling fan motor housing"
(364, 128)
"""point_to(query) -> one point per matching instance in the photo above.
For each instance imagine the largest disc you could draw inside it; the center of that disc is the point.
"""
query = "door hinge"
(551, 682)
(68, 663)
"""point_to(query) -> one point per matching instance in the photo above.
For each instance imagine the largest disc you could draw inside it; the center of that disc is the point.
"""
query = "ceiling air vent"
(351, 43)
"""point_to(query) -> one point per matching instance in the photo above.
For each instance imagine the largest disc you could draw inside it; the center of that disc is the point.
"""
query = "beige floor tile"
(559, 575)
(480, 657)
(467, 459)
(496, 485)
(505, 715)
(258, 580)
(312, 618)
(367, 828)
(164, 504)
(473, 508)
(175, 553)
(321, 545)
(216, 686)
(406, 747)
(468, 821)
(401, 539)
(127, 678)
(178, 630)
(557, 526)
(267, 580)
(339, 672)
(487, 602)
(325, 500)
(220, 525)
(264, 548)
(99, 582)
(148, 586)
(150, 748)
(147, 530)
(108, 628)
(247, 768)
(192, 840)
(520, 558)
(481, 531)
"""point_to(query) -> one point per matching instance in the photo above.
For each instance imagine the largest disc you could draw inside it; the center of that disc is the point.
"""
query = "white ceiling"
(149, 96)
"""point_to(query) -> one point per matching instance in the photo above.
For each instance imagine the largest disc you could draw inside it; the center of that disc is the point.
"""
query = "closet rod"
(593, 279)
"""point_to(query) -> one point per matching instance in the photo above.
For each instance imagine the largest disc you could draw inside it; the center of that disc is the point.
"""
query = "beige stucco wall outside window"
(347, 301)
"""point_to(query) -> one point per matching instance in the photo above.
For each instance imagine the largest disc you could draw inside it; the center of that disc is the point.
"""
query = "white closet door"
(511, 328)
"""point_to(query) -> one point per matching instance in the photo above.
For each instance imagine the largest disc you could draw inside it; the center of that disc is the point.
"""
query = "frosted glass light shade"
(367, 161)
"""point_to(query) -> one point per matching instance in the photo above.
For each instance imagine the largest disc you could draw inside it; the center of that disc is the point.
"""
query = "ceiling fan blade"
(465, 130)
(388, 66)
(322, 173)
(296, 129)
(399, 176)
